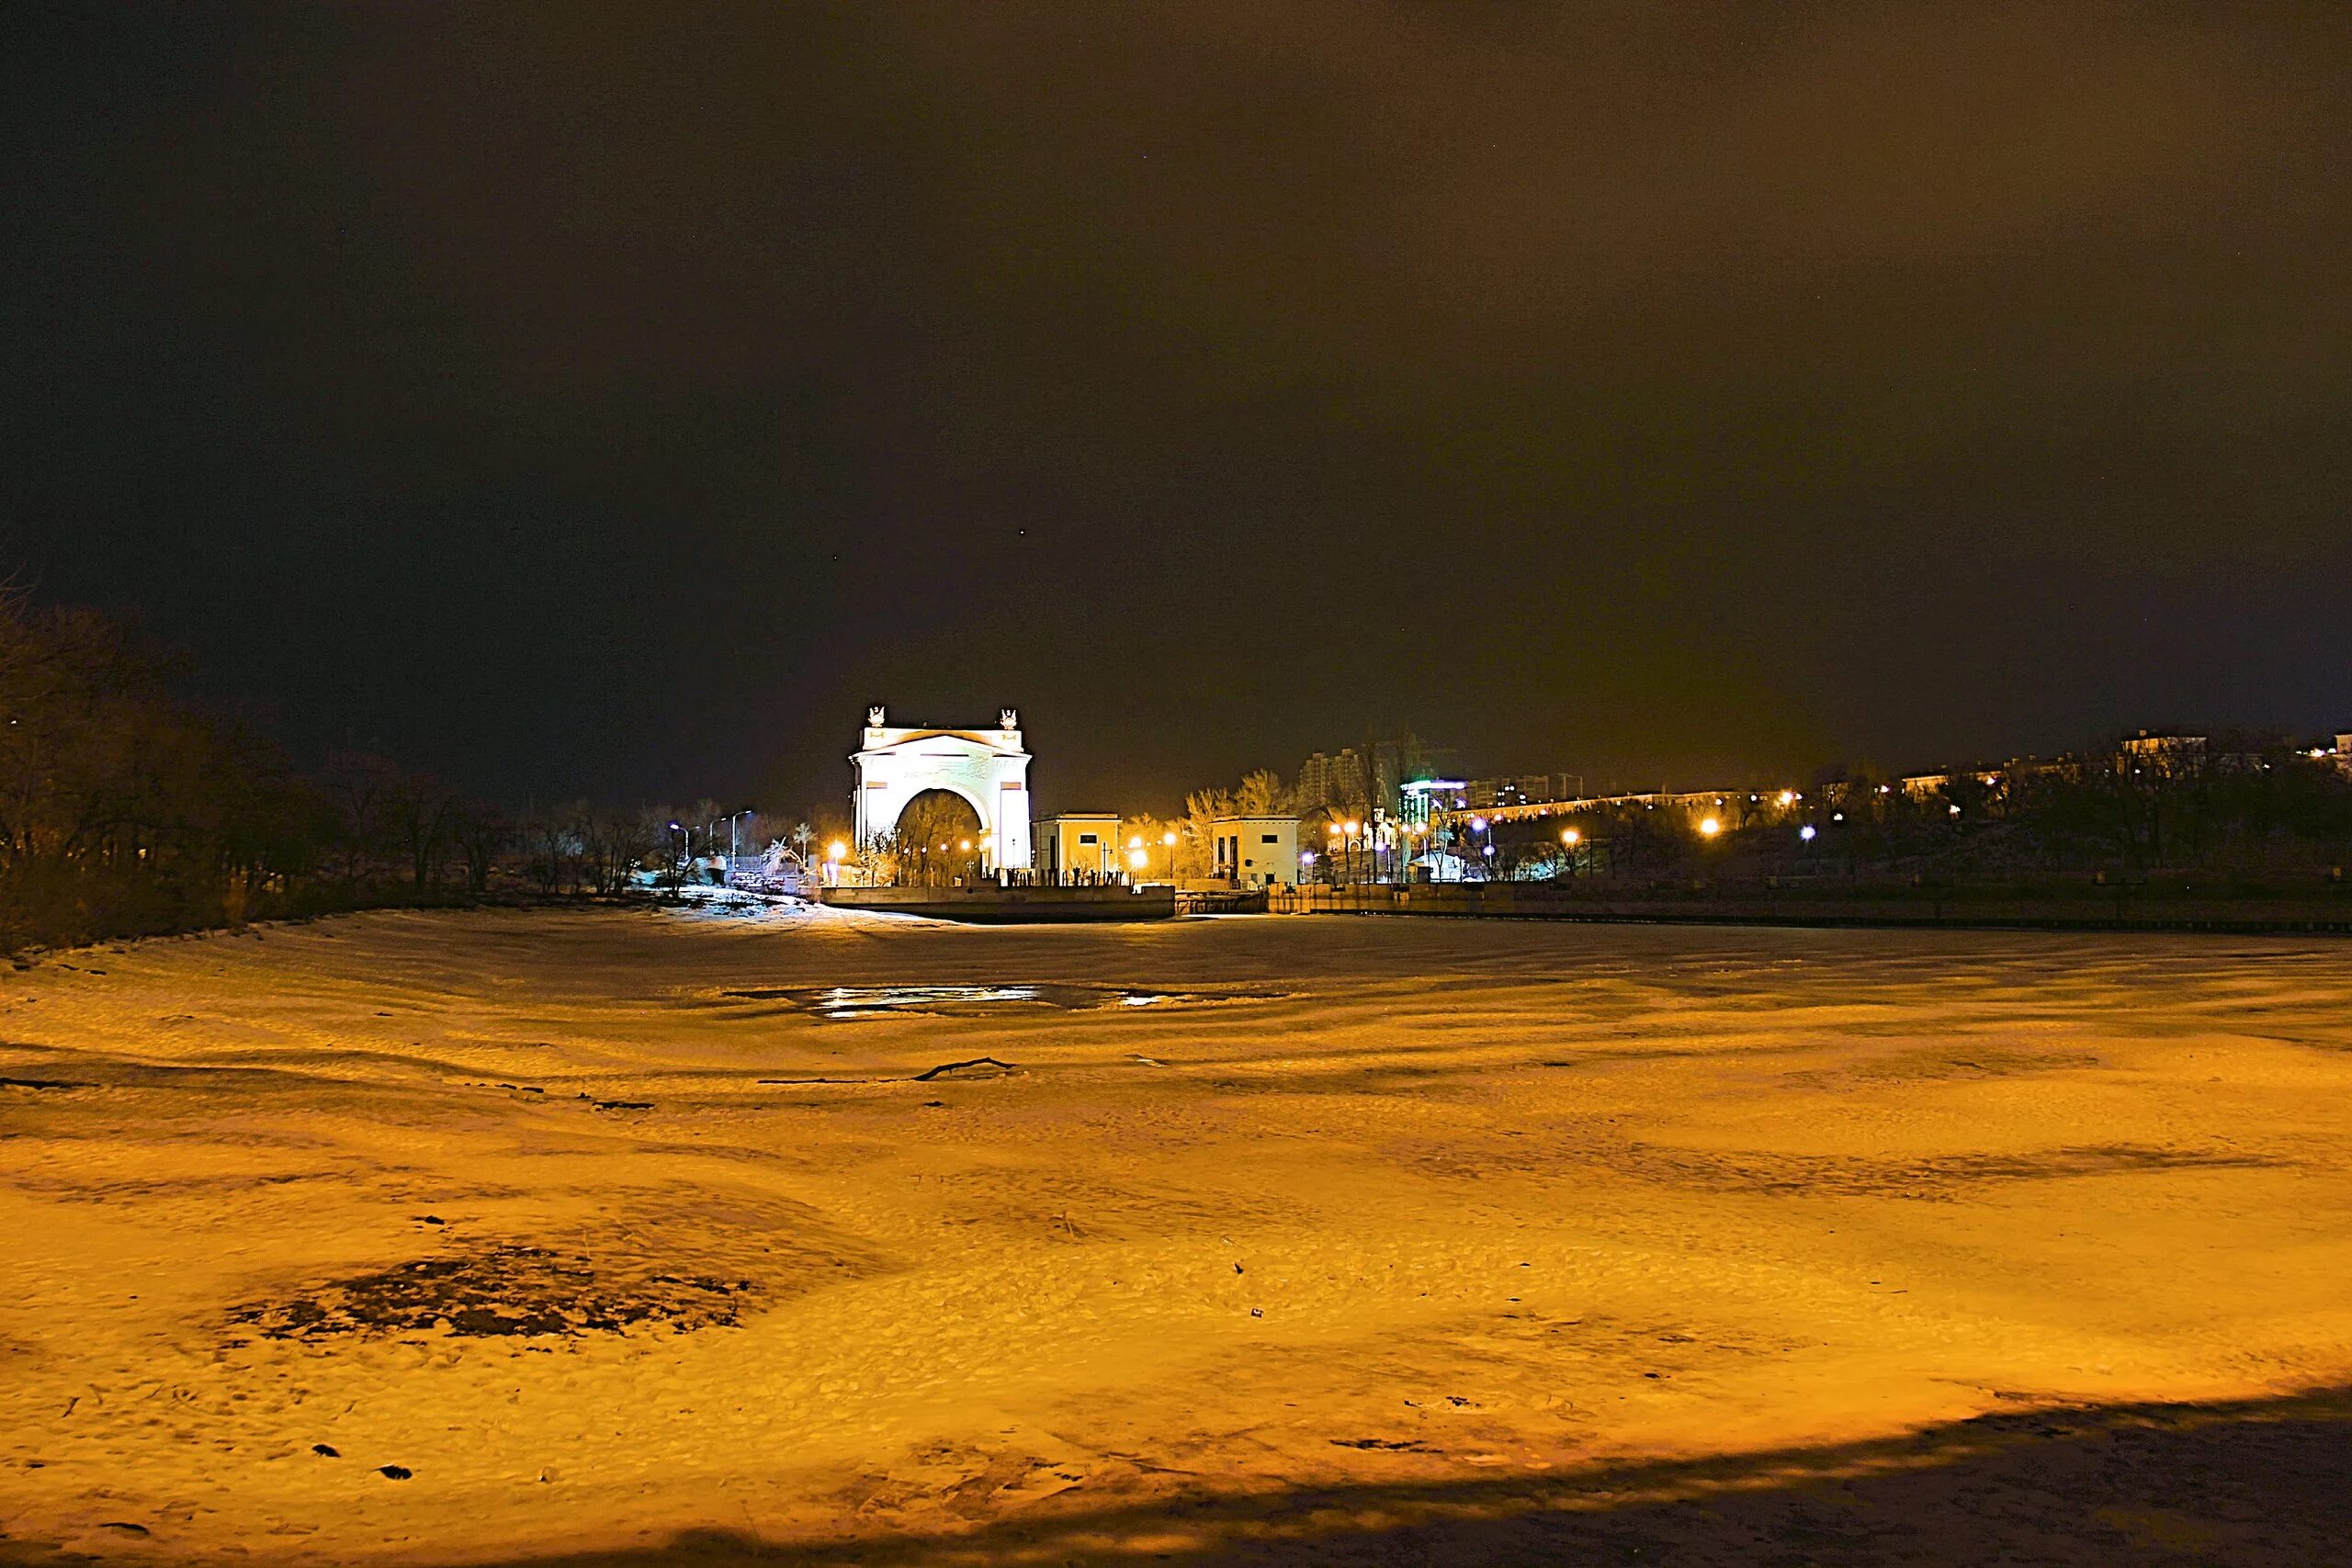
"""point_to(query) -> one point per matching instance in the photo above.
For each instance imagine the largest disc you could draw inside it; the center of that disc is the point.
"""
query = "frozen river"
(480, 1237)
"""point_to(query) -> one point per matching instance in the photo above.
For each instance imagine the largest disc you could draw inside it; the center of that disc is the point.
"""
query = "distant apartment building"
(1325, 780)
(1320, 779)
(1521, 789)
(1077, 841)
(1257, 851)
(1366, 778)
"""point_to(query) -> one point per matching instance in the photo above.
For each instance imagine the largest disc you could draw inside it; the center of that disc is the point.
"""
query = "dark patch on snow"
(503, 1291)
(1934, 1179)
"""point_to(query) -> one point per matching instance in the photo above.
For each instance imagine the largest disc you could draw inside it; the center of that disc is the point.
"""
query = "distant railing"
(1009, 878)
(1222, 900)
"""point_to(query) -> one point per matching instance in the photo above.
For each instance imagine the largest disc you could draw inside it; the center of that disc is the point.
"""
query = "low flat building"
(1077, 842)
(1257, 851)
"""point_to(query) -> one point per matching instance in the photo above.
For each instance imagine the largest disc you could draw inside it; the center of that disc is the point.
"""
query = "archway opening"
(938, 840)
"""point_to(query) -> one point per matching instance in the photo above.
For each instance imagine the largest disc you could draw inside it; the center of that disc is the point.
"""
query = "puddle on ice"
(841, 1002)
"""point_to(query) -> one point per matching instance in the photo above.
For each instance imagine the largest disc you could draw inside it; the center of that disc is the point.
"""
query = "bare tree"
(360, 785)
(417, 810)
(482, 833)
(614, 845)
(552, 841)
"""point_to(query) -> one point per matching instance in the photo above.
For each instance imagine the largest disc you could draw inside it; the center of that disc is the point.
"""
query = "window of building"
(1086, 838)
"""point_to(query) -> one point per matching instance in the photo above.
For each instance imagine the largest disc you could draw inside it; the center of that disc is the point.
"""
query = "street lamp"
(734, 843)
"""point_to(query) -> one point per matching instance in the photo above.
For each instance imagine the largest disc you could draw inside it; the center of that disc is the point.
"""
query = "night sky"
(616, 400)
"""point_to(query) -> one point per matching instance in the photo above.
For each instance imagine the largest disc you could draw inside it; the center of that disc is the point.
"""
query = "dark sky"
(617, 399)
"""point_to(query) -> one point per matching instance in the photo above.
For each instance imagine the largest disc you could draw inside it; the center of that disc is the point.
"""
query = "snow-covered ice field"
(501, 1236)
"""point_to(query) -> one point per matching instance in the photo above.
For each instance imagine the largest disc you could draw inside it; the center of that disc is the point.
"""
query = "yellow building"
(1078, 842)
(1258, 851)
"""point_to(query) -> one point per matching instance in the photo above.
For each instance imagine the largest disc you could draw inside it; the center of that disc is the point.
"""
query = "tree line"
(125, 811)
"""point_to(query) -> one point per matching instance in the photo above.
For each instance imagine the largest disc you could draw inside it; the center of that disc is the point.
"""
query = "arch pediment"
(962, 740)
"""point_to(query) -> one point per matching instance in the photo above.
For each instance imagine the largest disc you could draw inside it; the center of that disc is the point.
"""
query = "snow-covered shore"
(608, 1226)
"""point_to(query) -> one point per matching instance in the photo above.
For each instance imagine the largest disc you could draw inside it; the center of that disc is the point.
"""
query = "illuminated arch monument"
(987, 767)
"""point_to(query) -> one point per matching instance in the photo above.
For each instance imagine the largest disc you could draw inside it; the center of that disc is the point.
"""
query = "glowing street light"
(1708, 827)
(1805, 832)
(837, 851)
(1569, 836)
